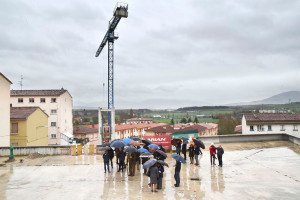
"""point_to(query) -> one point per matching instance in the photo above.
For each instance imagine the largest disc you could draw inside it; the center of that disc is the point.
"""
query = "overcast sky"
(170, 53)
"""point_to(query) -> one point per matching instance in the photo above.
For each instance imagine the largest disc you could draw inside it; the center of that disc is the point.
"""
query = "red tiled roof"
(121, 127)
(162, 129)
(139, 119)
(238, 129)
(37, 92)
(5, 78)
(84, 130)
(21, 112)
(272, 117)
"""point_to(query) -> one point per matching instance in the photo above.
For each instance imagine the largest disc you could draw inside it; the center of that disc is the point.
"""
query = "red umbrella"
(175, 141)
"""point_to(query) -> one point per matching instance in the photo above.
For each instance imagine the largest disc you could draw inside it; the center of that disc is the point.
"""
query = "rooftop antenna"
(21, 82)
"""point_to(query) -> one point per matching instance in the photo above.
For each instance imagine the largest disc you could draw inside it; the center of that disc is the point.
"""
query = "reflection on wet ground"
(251, 171)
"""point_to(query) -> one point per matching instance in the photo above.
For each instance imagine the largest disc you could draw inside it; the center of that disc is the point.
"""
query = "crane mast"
(120, 11)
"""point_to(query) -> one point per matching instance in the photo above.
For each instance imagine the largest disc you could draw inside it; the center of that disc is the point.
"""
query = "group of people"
(195, 151)
(213, 151)
(156, 171)
(132, 160)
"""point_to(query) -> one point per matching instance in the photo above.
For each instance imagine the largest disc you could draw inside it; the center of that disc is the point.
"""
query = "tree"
(196, 120)
(183, 120)
(95, 120)
(172, 121)
(131, 114)
(189, 120)
(227, 123)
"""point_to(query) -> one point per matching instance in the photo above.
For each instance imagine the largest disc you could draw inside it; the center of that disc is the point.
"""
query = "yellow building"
(28, 126)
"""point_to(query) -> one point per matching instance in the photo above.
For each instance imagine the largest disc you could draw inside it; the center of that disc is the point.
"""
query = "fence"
(66, 150)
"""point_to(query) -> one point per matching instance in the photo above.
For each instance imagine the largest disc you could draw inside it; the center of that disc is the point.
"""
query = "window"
(53, 112)
(53, 123)
(31, 100)
(53, 100)
(20, 100)
(295, 128)
(42, 100)
(260, 127)
(269, 128)
(282, 128)
(14, 128)
(53, 136)
(251, 128)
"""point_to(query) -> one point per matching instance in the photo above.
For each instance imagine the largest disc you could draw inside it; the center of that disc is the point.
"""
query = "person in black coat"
(220, 152)
(177, 173)
(122, 156)
(160, 176)
(196, 154)
(191, 153)
(106, 161)
(111, 156)
(178, 148)
(183, 150)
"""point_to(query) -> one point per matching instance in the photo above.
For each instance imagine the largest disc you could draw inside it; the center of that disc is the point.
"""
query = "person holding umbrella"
(179, 159)
(153, 171)
(183, 150)
(160, 175)
(196, 154)
(178, 147)
(191, 153)
(131, 160)
(122, 156)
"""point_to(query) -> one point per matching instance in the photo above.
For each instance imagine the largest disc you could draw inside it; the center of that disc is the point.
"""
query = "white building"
(58, 104)
(271, 123)
(4, 111)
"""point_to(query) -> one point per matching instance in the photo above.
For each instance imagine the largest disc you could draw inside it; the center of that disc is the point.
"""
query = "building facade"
(4, 110)
(28, 126)
(271, 123)
(57, 104)
(91, 134)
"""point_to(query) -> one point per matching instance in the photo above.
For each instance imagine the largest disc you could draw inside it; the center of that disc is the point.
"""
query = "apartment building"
(271, 123)
(4, 110)
(57, 104)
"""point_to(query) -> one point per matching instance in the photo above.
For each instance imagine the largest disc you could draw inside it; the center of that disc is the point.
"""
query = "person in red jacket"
(212, 152)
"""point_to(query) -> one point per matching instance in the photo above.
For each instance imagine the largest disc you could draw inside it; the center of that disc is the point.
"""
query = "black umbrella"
(162, 163)
(146, 142)
(161, 153)
(199, 143)
(130, 149)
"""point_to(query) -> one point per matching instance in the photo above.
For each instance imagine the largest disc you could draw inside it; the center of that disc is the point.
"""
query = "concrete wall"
(45, 150)
(243, 138)
(4, 112)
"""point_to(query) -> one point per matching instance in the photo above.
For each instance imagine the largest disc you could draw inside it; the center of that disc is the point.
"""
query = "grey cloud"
(170, 53)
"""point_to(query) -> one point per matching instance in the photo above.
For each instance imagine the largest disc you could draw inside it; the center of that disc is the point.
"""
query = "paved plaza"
(266, 170)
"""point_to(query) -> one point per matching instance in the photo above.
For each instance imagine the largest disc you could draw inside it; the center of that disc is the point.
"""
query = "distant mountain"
(282, 98)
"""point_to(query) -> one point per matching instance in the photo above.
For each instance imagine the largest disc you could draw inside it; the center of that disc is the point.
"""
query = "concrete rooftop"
(267, 170)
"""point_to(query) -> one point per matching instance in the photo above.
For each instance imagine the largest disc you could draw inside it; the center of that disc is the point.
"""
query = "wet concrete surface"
(268, 170)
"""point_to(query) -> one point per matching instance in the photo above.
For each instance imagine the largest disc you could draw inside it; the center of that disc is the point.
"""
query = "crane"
(120, 11)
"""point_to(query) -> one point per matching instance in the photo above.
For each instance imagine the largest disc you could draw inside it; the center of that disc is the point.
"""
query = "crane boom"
(121, 10)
